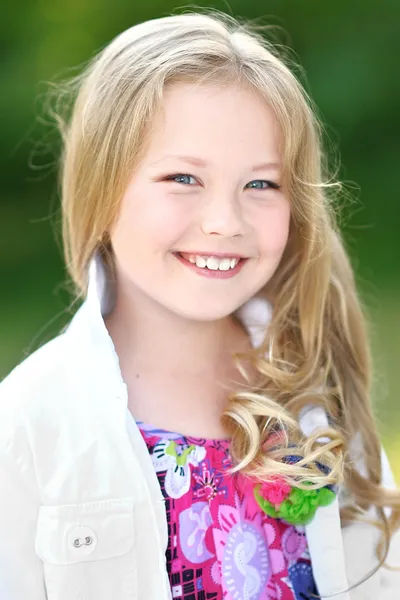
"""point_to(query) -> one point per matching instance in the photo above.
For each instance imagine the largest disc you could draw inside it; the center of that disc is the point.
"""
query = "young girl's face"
(207, 184)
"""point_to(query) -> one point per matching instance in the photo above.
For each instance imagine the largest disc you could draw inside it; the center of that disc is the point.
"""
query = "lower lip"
(209, 272)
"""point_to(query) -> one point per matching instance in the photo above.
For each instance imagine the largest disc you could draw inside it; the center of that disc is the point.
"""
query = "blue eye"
(186, 177)
(180, 177)
(269, 184)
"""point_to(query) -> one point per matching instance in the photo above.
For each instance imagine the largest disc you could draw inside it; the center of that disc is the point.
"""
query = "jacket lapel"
(324, 533)
(325, 544)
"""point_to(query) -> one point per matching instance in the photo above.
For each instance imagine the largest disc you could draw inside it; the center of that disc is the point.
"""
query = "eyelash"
(271, 184)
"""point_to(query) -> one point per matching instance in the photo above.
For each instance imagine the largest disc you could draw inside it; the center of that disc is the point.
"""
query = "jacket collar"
(324, 534)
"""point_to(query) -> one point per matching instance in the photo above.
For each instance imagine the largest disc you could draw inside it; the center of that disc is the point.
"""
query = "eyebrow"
(200, 162)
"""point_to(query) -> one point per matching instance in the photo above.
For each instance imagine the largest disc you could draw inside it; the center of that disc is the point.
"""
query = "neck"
(147, 335)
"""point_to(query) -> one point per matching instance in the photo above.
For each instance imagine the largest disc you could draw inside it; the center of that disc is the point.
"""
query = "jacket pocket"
(88, 550)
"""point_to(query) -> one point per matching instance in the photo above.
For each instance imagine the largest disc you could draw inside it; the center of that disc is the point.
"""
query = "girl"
(202, 429)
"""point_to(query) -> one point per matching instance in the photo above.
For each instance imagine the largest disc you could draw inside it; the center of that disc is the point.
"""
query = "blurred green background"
(350, 53)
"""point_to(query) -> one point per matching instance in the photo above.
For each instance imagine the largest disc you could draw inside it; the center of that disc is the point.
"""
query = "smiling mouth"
(211, 267)
(211, 262)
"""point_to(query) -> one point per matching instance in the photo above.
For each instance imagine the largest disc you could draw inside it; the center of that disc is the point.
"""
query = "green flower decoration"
(300, 506)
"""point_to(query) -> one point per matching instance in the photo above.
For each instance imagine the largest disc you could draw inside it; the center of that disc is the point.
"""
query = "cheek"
(147, 221)
(274, 230)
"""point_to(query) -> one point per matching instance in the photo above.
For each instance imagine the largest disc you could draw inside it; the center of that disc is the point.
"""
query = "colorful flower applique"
(175, 457)
(275, 491)
(294, 505)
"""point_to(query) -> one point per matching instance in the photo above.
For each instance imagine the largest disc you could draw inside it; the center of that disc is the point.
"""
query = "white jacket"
(82, 515)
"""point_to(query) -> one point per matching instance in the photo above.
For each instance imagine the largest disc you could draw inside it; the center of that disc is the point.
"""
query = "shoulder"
(37, 370)
(358, 456)
(35, 382)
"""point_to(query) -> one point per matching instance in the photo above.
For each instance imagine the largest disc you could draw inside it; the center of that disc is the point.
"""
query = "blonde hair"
(316, 349)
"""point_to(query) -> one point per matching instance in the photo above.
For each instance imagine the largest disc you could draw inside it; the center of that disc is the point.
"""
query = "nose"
(222, 215)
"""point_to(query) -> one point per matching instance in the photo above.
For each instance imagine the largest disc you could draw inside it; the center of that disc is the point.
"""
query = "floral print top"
(222, 546)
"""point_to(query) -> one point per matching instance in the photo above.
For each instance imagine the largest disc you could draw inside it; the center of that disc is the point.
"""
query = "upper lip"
(216, 254)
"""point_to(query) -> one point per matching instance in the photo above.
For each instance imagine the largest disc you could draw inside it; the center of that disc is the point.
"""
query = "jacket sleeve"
(21, 570)
(390, 580)
(360, 540)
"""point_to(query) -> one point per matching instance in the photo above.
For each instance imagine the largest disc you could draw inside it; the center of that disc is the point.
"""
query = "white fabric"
(82, 515)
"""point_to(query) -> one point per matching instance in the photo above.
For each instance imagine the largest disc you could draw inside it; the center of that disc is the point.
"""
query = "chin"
(203, 313)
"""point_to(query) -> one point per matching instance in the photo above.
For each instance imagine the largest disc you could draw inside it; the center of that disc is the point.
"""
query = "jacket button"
(79, 542)
(82, 541)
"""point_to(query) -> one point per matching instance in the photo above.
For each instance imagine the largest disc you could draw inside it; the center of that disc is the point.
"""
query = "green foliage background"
(350, 53)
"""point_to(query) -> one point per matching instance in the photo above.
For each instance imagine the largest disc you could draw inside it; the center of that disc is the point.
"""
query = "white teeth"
(225, 264)
(213, 263)
(234, 262)
(200, 262)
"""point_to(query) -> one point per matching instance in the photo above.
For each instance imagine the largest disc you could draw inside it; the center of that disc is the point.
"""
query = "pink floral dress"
(222, 546)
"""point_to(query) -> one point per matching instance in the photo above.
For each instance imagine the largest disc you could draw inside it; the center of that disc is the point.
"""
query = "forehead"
(217, 122)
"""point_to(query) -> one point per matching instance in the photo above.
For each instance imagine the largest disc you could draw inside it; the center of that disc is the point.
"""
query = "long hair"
(315, 349)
